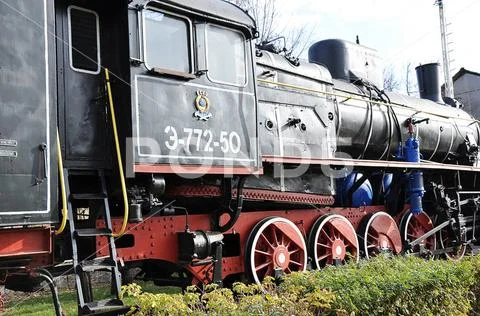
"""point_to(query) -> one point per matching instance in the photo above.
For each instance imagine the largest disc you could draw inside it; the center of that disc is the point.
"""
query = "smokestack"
(429, 82)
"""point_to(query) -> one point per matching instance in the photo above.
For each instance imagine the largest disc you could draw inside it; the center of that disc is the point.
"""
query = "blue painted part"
(363, 196)
(399, 152)
(416, 192)
(412, 150)
(416, 189)
(387, 183)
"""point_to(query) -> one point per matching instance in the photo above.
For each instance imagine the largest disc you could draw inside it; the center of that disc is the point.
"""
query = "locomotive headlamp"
(198, 244)
(199, 248)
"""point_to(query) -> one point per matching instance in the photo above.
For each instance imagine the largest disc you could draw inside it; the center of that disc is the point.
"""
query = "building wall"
(467, 91)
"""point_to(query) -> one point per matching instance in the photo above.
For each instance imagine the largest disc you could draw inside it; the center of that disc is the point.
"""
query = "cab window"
(167, 41)
(84, 37)
(226, 56)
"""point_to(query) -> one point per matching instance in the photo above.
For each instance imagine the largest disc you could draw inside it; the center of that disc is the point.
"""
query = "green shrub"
(240, 300)
(399, 286)
(381, 286)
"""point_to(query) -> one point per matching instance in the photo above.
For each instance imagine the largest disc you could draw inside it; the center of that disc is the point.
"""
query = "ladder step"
(109, 306)
(96, 181)
(88, 196)
(79, 172)
(93, 232)
(105, 263)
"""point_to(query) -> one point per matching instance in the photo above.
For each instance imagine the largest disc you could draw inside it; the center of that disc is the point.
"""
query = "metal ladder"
(83, 268)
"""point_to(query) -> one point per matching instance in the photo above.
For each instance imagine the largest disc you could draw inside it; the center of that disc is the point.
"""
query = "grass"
(42, 304)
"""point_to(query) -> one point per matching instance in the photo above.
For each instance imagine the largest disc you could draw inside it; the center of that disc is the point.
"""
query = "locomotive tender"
(184, 155)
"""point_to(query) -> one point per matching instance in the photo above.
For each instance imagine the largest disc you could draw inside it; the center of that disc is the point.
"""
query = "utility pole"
(445, 52)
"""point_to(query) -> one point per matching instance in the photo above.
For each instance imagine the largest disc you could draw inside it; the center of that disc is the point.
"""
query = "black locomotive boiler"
(155, 140)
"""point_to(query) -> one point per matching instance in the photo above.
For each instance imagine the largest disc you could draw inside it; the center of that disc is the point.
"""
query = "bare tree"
(390, 80)
(403, 80)
(267, 17)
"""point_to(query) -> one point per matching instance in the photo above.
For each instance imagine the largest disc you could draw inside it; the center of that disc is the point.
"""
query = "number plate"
(8, 153)
(202, 140)
(8, 142)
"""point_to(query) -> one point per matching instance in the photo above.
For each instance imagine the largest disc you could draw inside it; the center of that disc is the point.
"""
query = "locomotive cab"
(193, 89)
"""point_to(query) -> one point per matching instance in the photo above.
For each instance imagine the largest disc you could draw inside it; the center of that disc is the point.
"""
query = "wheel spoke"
(274, 234)
(324, 257)
(410, 224)
(288, 244)
(263, 265)
(375, 238)
(263, 252)
(267, 241)
(332, 231)
(323, 245)
(326, 235)
(296, 263)
(294, 251)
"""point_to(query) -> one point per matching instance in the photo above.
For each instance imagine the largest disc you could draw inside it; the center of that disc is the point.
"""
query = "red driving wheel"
(332, 240)
(414, 226)
(274, 245)
(379, 233)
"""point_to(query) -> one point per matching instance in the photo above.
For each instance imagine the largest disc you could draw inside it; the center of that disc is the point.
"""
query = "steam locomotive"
(152, 139)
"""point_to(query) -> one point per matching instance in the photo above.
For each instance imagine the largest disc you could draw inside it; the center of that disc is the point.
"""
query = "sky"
(402, 31)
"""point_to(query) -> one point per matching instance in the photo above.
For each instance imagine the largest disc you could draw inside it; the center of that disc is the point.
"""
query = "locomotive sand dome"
(186, 155)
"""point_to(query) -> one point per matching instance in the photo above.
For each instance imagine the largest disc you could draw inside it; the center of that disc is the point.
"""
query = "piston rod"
(430, 233)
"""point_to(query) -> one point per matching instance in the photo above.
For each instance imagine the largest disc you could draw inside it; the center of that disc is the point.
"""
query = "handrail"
(62, 189)
(119, 157)
(363, 99)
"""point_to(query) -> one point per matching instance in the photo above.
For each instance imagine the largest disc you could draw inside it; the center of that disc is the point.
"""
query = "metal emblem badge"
(202, 104)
